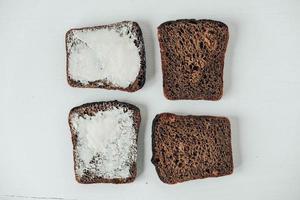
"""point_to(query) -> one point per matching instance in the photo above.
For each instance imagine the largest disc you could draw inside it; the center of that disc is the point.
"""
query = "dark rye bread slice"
(89, 174)
(134, 31)
(191, 147)
(192, 57)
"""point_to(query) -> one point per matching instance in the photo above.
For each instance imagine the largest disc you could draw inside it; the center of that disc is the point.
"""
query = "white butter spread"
(106, 143)
(105, 54)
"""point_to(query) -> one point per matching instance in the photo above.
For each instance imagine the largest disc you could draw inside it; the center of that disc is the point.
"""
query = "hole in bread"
(201, 46)
(195, 68)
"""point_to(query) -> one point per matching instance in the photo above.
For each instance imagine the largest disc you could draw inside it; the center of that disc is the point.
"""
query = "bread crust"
(141, 77)
(91, 109)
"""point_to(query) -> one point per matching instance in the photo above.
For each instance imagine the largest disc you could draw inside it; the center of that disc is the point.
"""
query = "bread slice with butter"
(108, 56)
(104, 137)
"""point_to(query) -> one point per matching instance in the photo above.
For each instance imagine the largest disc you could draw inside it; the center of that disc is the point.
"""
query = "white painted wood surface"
(261, 98)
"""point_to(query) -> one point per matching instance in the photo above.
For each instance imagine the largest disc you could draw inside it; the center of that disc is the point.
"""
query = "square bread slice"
(109, 56)
(191, 147)
(192, 57)
(104, 137)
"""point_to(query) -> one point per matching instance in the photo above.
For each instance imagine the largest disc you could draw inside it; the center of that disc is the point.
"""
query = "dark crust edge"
(165, 180)
(137, 121)
(194, 21)
(141, 77)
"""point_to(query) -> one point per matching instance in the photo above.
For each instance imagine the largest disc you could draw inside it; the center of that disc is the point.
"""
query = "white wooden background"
(262, 92)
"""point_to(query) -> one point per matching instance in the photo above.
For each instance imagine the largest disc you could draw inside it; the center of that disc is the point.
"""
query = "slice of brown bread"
(108, 56)
(104, 137)
(192, 57)
(191, 147)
